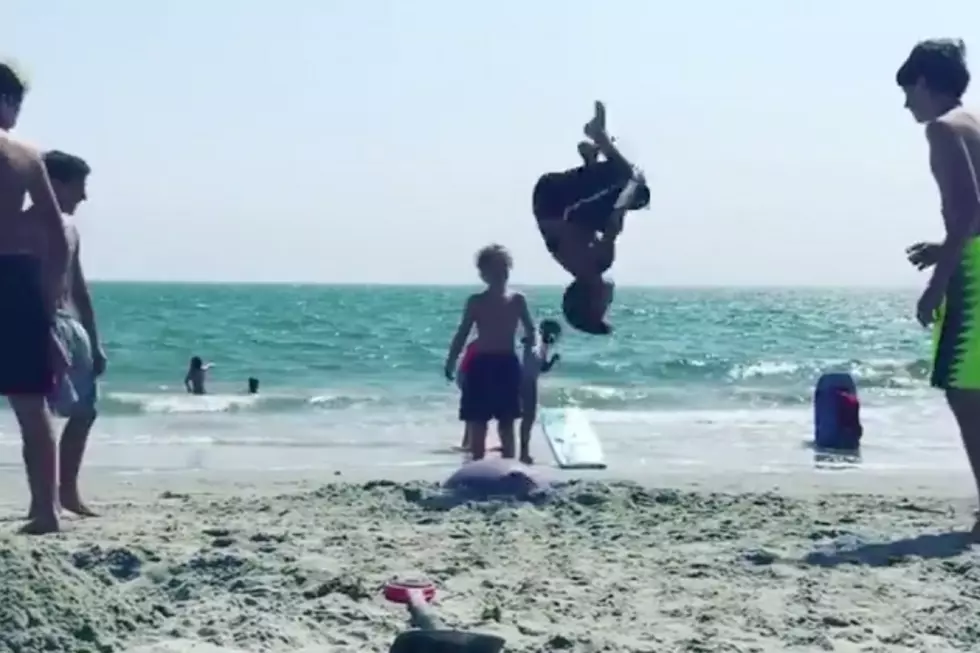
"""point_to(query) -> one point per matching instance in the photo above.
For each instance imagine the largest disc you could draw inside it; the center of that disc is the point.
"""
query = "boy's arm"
(526, 321)
(83, 300)
(956, 177)
(46, 208)
(550, 363)
(462, 333)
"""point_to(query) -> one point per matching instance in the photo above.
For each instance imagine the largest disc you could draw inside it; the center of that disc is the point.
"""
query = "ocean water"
(351, 376)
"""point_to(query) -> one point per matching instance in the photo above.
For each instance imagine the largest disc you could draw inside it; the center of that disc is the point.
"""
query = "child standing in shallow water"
(492, 389)
(196, 373)
(537, 361)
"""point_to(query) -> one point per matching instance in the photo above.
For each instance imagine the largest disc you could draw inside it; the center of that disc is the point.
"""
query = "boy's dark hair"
(491, 253)
(548, 324)
(65, 167)
(13, 85)
(576, 306)
(940, 64)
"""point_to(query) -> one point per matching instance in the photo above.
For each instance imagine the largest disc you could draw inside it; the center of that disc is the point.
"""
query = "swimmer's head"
(585, 303)
(13, 88)
(550, 331)
(494, 263)
(253, 385)
(69, 175)
(934, 77)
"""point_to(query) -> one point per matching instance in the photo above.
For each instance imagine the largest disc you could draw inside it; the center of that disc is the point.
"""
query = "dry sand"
(601, 567)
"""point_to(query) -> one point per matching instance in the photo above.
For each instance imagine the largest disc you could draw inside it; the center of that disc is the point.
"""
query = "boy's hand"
(923, 255)
(596, 128)
(449, 372)
(928, 306)
(98, 361)
(59, 355)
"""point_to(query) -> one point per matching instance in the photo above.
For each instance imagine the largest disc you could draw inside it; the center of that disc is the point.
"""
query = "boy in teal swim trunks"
(934, 79)
(77, 391)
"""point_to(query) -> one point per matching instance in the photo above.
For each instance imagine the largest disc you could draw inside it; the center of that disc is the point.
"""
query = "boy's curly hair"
(494, 253)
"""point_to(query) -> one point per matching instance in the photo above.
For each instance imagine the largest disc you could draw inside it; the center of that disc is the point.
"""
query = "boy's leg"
(74, 437)
(474, 409)
(529, 411)
(81, 412)
(41, 461)
(505, 431)
(595, 129)
(478, 439)
(27, 370)
(965, 405)
(507, 404)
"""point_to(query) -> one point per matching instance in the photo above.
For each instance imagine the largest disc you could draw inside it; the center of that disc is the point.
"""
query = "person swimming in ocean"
(580, 212)
(253, 385)
(196, 375)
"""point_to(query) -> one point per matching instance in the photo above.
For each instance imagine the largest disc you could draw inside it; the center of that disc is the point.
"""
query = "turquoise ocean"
(706, 380)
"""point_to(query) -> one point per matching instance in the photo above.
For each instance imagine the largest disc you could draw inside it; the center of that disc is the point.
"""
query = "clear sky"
(384, 141)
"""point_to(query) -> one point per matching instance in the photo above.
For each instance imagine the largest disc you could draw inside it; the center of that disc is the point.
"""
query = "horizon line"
(387, 284)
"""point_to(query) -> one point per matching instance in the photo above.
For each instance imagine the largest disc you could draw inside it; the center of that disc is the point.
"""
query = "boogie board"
(572, 439)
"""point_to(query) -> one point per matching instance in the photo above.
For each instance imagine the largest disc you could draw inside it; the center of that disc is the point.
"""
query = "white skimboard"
(572, 439)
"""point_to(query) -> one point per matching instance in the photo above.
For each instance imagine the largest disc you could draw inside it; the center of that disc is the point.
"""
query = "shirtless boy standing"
(934, 78)
(493, 375)
(76, 330)
(31, 282)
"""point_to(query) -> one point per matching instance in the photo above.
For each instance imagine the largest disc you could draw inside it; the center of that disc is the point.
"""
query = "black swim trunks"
(492, 389)
(25, 328)
(585, 195)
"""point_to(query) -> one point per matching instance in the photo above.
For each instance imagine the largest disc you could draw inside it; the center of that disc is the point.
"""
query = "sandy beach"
(258, 565)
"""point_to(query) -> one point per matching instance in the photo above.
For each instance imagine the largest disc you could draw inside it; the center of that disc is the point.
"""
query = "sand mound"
(57, 602)
(598, 567)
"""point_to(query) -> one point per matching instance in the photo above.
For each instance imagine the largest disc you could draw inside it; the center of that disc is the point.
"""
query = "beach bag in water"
(837, 413)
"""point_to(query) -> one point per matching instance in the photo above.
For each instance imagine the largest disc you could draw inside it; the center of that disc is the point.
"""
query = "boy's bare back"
(957, 129)
(18, 165)
(496, 317)
(40, 230)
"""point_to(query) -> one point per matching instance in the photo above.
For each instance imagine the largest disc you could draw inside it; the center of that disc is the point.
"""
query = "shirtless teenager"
(76, 330)
(493, 374)
(934, 78)
(31, 282)
(580, 214)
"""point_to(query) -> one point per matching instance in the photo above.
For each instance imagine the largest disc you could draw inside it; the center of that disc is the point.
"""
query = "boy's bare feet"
(41, 524)
(74, 504)
(596, 128)
(526, 459)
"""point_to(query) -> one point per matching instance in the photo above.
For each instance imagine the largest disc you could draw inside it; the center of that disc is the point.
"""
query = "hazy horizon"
(381, 284)
(375, 142)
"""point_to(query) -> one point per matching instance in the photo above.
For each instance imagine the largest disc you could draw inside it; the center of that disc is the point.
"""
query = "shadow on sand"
(849, 550)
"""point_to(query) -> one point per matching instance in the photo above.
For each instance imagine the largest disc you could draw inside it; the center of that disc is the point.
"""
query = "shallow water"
(702, 380)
